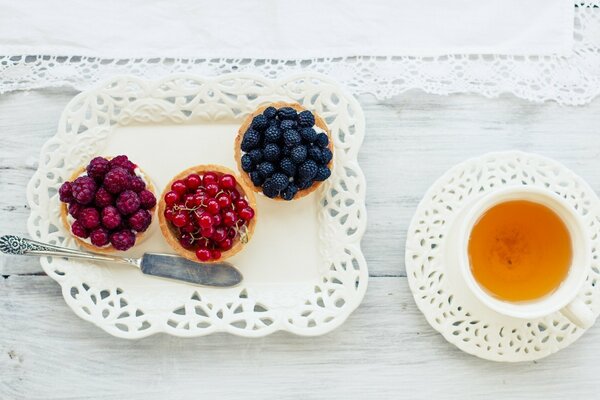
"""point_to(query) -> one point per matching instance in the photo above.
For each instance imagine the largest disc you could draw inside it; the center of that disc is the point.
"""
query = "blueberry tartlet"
(284, 151)
(206, 214)
(108, 204)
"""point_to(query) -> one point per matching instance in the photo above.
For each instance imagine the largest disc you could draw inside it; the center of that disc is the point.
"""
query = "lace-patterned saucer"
(433, 276)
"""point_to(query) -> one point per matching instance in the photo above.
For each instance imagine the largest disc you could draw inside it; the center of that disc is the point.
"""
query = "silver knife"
(220, 274)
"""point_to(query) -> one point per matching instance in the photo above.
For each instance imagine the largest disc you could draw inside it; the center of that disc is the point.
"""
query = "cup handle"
(579, 314)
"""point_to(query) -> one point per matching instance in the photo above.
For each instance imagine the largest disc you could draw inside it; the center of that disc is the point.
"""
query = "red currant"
(205, 221)
(231, 233)
(225, 244)
(209, 178)
(224, 200)
(212, 189)
(203, 254)
(207, 232)
(241, 204)
(217, 219)
(246, 213)
(193, 181)
(234, 194)
(169, 214)
(189, 228)
(179, 187)
(212, 206)
(180, 219)
(187, 241)
(171, 198)
(215, 254)
(229, 218)
(227, 181)
(219, 235)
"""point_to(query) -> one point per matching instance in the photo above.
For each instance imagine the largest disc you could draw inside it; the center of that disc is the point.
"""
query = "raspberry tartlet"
(206, 214)
(108, 204)
(284, 151)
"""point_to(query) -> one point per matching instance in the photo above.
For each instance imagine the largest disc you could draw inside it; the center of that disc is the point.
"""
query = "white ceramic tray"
(432, 263)
(304, 270)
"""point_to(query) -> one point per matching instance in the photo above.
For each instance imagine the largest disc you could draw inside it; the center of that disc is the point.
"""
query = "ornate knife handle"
(16, 245)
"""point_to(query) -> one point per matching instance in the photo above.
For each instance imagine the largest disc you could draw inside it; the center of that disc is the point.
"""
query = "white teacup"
(562, 299)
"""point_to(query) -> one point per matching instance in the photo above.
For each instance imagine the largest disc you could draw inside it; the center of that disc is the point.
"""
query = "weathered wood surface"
(385, 350)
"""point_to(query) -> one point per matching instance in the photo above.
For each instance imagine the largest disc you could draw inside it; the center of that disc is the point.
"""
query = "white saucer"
(433, 276)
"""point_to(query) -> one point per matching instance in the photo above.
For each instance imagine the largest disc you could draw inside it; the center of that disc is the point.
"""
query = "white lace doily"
(567, 80)
(440, 292)
(124, 302)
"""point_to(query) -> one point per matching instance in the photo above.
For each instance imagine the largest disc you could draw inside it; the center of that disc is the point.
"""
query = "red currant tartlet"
(284, 151)
(108, 204)
(206, 214)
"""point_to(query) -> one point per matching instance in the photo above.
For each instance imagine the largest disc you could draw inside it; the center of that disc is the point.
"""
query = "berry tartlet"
(284, 151)
(108, 204)
(206, 214)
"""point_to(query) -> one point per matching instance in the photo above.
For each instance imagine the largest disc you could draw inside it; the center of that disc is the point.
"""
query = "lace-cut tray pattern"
(567, 80)
(441, 293)
(126, 304)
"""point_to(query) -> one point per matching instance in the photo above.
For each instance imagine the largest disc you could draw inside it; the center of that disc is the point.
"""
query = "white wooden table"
(385, 350)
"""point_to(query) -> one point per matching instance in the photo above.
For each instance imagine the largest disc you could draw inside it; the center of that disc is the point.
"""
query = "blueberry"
(265, 169)
(322, 139)
(288, 124)
(256, 178)
(271, 152)
(322, 173)
(309, 135)
(307, 170)
(291, 138)
(247, 164)
(298, 154)
(256, 155)
(306, 118)
(287, 166)
(272, 134)
(270, 112)
(286, 113)
(260, 123)
(280, 181)
(251, 140)
(289, 192)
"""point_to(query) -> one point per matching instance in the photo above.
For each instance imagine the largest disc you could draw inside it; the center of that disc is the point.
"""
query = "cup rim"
(524, 309)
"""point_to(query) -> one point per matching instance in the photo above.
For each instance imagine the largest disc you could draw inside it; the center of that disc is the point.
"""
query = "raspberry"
(111, 217)
(270, 112)
(103, 198)
(247, 163)
(140, 220)
(269, 189)
(117, 180)
(147, 199)
(322, 173)
(265, 169)
(75, 209)
(128, 202)
(298, 154)
(99, 237)
(309, 135)
(327, 155)
(291, 138)
(316, 154)
(256, 155)
(287, 166)
(137, 184)
(287, 124)
(306, 119)
(78, 230)
(89, 218)
(65, 192)
(260, 122)
(123, 239)
(256, 178)
(97, 168)
(84, 189)
(272, 134)
(279, 181)
(123, 162)
(286, 113)
(251, 140)
(271, 152)
(308, 170)
(289, 192)
(322, 139)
